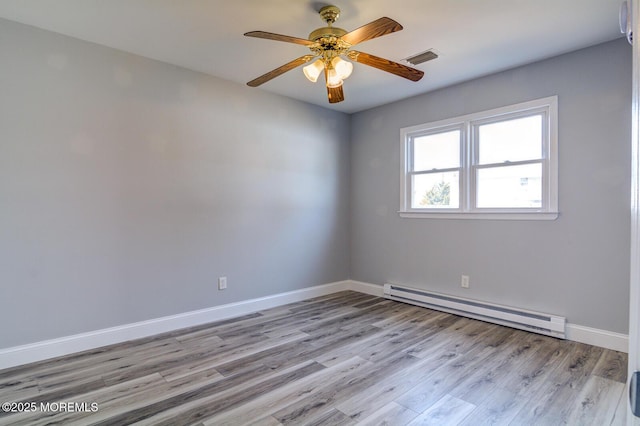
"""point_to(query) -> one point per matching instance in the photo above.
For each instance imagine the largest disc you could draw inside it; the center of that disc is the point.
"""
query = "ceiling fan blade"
(278, 37)
(280, 70)
(386, 65)
(377, 28)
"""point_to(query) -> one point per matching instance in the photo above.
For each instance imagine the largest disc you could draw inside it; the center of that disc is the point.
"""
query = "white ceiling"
(472, 37)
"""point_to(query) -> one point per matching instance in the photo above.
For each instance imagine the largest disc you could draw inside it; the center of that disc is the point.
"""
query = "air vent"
(421, 57)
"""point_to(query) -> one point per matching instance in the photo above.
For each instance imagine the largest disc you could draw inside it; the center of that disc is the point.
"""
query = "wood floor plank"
(454, 372)
(358, 317)
(339, 354)
(141, 367)
(391, 414)
(500, 407)
(297, 319)
(620, 416)
(89, 362)
(293, 352)
(19, 389)
(214, 329)
(332, 418)
(598, 401)
(535, 373)
(486, 379)
(552, 404)
(399, 313)
(361, 405)
(397, 338)
(222, 353)
(74, 360)
(341, 299)
(447, 331)
(327, 397)
(612, 365)
(187, 369)
(362, 345)
(447, 411)
(344, 358)
(267, 421)
(202, 383)
(272, 402)
(202, 376)
(193, 407)
(124, 393)
(371, 302)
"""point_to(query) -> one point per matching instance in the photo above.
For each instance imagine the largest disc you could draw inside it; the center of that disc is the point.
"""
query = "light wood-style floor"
(347, 358)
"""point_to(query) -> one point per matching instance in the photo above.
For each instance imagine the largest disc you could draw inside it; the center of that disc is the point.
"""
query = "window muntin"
(494, 164)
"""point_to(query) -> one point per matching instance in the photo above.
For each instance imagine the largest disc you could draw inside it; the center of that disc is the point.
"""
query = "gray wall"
(127, 186)
(577, 265)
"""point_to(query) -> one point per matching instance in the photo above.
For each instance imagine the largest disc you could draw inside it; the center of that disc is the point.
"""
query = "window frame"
(412, 173)
(469, 155)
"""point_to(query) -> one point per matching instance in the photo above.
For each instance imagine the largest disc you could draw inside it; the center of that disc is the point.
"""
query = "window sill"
(479, 215)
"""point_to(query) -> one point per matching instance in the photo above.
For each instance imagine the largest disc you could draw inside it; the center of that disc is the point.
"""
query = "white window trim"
(549, 211)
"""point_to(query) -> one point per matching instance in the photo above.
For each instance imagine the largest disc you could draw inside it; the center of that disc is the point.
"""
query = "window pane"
(436, 191)
(510, 186)
(436, 151)
(512, 140)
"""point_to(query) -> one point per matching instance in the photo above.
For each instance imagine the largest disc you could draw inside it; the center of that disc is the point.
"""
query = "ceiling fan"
(330, 45)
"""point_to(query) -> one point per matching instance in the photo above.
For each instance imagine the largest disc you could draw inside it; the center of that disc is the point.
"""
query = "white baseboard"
(597, 337)
(39, 351)
(372, 289)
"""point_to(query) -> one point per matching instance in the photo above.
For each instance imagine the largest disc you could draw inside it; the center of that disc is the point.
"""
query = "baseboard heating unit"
(536, 322)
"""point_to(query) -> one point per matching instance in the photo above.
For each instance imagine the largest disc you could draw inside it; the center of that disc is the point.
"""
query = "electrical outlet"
(464, 281)
(222, 283)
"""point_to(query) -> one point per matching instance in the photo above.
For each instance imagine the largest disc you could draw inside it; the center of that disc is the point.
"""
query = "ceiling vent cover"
(421, 57)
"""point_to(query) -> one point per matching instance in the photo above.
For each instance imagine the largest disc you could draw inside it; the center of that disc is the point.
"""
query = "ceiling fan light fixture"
(333, 79)
(313, 71)
(342, 67)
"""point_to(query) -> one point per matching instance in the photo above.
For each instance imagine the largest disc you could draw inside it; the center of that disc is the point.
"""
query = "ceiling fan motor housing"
(326, 32)
(328, 38)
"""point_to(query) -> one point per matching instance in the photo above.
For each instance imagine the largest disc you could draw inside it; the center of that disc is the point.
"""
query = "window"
(498, 164)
